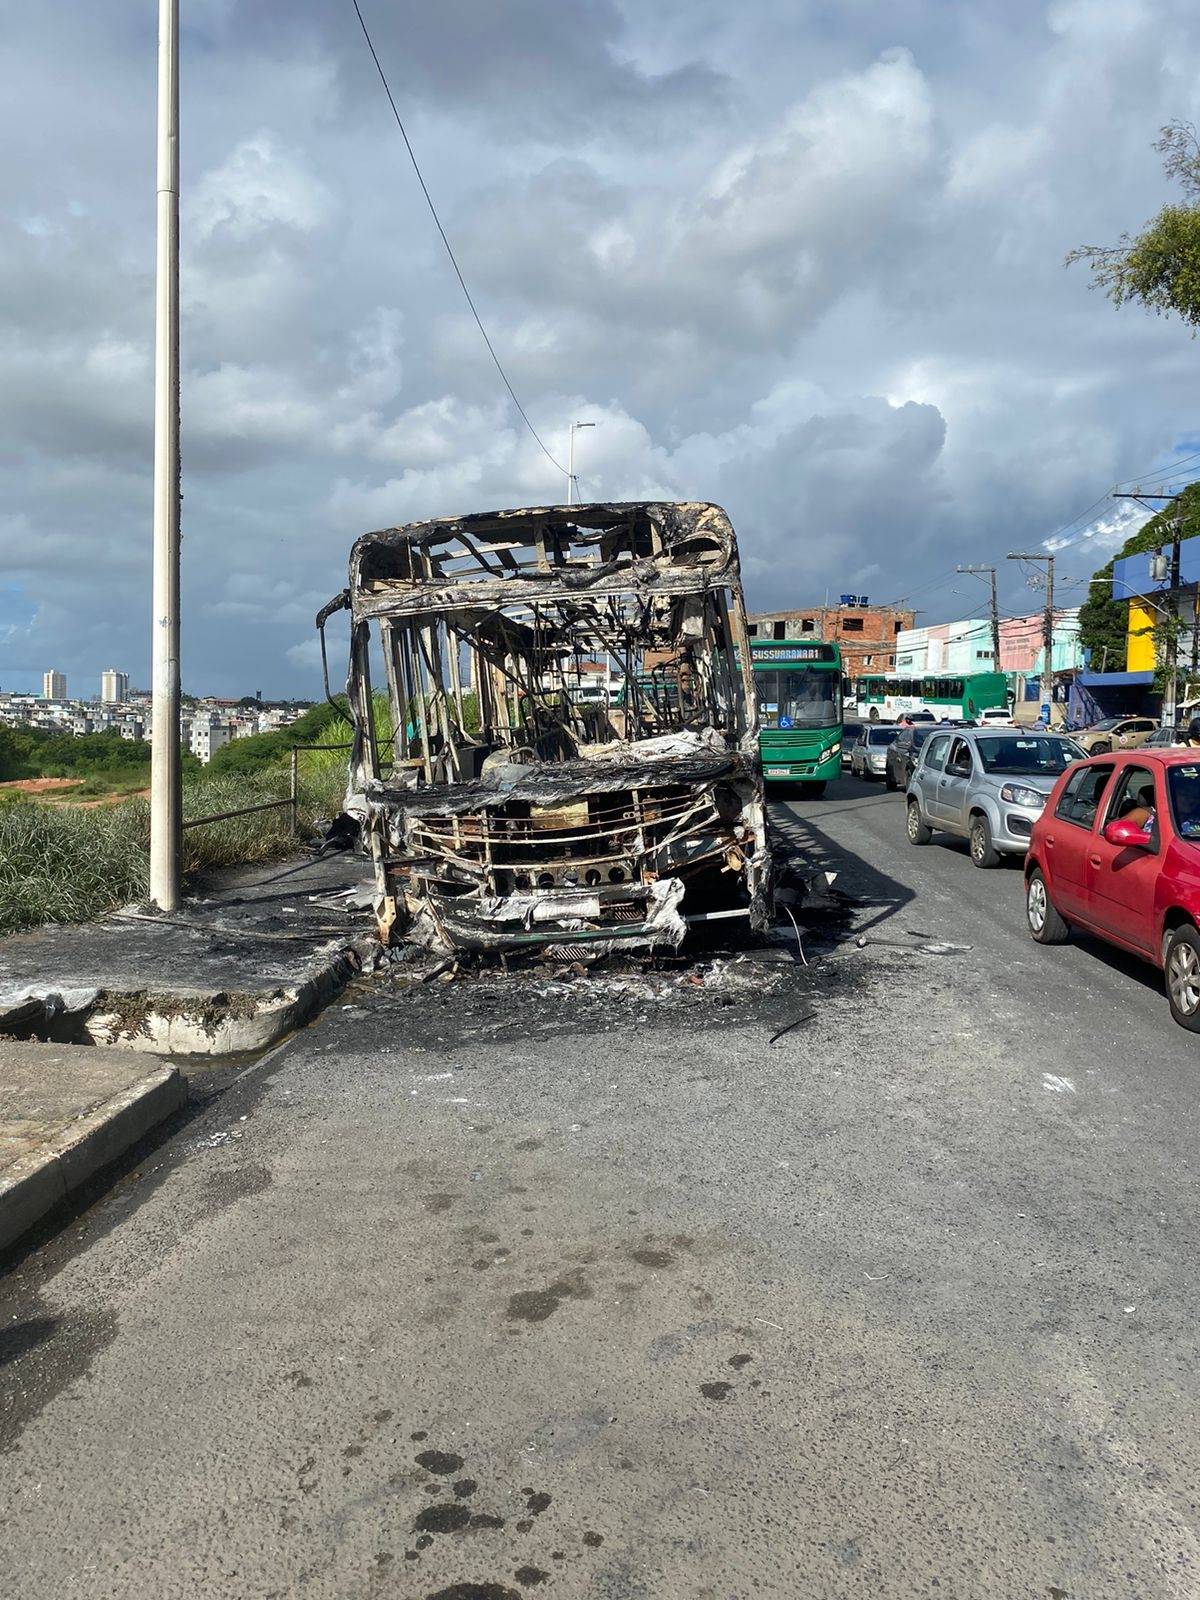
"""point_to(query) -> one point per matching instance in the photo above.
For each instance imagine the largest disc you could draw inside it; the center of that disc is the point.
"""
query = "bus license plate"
(778, 772)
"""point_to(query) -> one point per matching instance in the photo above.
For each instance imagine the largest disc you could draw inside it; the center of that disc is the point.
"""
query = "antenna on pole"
(165, 797)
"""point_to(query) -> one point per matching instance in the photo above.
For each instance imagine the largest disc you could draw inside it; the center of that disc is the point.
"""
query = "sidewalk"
(66, 1112)
(258, 953)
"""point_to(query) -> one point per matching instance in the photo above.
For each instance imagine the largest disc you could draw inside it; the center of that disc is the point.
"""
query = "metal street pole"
(165, 798)
(571, 458)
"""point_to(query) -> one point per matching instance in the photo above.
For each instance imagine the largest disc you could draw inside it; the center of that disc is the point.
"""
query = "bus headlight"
(834, 750)
(1018, 795)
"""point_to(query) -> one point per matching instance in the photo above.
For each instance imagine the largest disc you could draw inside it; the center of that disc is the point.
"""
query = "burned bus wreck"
(573, 762)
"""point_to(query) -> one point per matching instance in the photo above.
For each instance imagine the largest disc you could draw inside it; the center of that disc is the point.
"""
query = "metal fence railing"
(292, 801)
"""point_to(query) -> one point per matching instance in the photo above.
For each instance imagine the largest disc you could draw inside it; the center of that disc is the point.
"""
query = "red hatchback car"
(1116, 853)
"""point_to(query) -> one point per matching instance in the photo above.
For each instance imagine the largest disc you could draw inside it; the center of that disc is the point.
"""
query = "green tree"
(1103, 620)
(260, 751)
(1159, 267)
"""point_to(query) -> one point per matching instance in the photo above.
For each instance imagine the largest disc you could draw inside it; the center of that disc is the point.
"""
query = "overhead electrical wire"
(449, 251)
(1161, 477)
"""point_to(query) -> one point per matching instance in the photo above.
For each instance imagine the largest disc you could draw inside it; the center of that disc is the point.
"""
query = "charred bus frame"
(508, 810)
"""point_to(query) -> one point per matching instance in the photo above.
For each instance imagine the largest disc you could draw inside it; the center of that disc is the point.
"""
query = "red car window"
(1080, 799)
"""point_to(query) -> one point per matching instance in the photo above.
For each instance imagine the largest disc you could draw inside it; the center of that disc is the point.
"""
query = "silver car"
(986, 785)
(868, 759)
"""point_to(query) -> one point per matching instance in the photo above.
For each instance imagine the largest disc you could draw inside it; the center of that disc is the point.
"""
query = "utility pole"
(1047, 628)
(1171, 641)
(165, 798)
(1171, 711)
(571, 458)
(991, 571)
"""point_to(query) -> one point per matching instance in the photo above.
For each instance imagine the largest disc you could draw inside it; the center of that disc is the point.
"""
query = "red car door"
(1122, 879)
(1067, 838)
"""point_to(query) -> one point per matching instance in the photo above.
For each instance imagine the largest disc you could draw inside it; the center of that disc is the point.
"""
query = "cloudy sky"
(802, 257)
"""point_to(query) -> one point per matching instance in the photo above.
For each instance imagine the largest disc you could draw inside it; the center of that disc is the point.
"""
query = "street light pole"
(165, 798)
(571, 458)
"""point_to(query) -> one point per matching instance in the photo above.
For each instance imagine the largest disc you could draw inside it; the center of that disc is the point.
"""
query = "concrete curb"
(195, 1021)
(38, 1182)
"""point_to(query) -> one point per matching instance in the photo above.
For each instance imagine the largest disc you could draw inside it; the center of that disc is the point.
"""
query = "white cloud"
(811, 272)
(258, 189)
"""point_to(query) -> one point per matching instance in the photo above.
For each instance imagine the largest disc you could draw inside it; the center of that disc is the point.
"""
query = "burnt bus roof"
(542, 553)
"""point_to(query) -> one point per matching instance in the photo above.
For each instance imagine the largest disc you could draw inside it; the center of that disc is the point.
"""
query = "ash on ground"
(706, 984)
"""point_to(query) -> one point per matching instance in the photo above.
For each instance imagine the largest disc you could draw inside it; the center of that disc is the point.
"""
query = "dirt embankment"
(40, 785)
(63, 791)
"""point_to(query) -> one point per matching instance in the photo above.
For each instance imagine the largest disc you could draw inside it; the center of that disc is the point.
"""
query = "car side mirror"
(1127, 835)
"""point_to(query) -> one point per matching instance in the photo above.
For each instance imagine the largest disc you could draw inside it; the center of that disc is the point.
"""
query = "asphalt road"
(618, 1291)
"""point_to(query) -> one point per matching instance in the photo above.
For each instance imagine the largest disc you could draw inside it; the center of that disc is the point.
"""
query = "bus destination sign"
(795, 652)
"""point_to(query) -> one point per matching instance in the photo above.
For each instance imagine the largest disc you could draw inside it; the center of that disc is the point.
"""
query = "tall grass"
(64, 863)
(68, 863)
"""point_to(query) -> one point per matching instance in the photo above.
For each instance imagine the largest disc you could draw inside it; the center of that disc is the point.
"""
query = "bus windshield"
(798, 697)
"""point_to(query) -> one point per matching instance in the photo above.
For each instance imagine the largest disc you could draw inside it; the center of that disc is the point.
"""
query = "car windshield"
(1107, 724)
(883, 735)
(1183, 786)
(919, 736)
(1033, 755)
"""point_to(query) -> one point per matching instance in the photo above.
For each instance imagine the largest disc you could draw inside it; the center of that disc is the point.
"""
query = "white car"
(868, 759)
(996, 717)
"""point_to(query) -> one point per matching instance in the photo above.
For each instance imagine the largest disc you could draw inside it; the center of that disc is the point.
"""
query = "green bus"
(960, 697)
(798, 686)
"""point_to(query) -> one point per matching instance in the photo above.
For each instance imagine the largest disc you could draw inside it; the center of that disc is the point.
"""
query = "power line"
(1160, 476)
(438, 221)
(1170, 467)
(933, 583)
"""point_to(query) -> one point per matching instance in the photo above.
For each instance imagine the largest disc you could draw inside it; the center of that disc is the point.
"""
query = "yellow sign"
(1139, 642)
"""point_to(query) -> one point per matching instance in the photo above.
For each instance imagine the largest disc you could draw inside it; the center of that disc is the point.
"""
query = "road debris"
(809, 1016)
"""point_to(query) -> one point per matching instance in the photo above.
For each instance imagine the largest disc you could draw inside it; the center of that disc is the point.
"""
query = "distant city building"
(114, 687)
(207, 738)
(866, 633)
(54, 685)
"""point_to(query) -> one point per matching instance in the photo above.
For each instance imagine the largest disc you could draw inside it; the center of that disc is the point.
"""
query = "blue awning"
(1115, 680)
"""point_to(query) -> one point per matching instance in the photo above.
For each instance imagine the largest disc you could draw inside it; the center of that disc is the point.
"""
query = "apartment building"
(114, 687)
(54, 685)
(208, 736)
(866, 633)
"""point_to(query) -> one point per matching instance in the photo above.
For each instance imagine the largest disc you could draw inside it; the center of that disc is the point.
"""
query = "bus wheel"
(874, 713)
(812, 791)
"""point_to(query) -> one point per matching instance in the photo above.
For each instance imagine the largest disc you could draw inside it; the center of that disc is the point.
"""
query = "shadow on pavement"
(19, 1338)
(879, 896)
(1122, 961)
